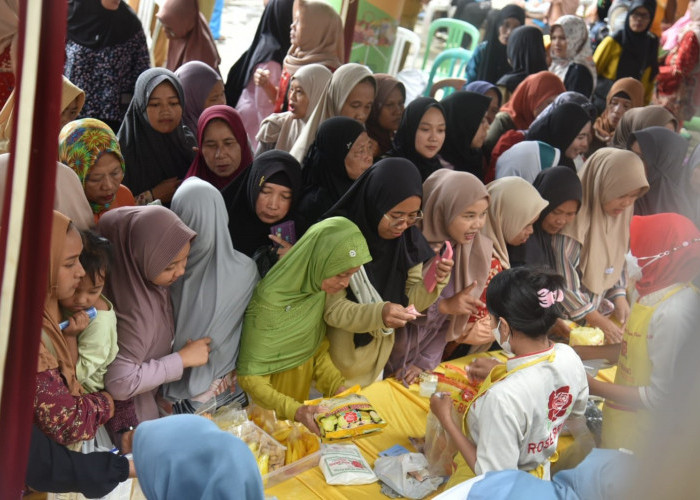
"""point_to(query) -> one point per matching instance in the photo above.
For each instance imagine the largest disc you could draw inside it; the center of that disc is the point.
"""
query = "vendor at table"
(283, 344)
(515, 420)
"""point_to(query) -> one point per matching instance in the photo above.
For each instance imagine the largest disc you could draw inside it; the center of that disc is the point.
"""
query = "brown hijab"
(446, 194)
(632, 88)
(608, 174)
(53, 350)
(385, 86)
(640, 118)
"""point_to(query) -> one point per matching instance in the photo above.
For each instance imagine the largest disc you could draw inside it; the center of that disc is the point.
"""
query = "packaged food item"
(408, 475)
(347, 415)
(586, 335)
(268, 452)
(344, 464)
(265, 419)
(456, 382)
(300, 442)
(428, 384)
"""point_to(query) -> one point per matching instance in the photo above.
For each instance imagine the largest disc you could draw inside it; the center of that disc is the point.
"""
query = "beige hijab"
(321, 40)
(68, 95)
(637, 119)
(515, 203)
(446, 194)
(282, 128)
(608, 174)
(342, 83)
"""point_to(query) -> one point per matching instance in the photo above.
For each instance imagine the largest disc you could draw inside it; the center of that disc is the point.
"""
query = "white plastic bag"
(344, 464)
(407, 474)
(440, 449)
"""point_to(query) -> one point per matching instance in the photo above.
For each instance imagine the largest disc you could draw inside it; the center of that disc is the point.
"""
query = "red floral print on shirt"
(559, 402)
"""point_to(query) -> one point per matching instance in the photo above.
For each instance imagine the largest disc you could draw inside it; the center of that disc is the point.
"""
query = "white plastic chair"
(432, 11)
(403, 37)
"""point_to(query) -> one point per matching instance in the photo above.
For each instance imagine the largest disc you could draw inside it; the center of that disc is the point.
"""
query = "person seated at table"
(385, 204)
(456, 205)
(515, 419)
(283, 345)
(664, 316)
(625, 94)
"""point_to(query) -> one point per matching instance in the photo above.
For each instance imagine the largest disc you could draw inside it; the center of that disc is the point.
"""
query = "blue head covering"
(481, 87)
(188, 456)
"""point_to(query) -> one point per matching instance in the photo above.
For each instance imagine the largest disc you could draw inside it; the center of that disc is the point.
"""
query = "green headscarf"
(283, 324)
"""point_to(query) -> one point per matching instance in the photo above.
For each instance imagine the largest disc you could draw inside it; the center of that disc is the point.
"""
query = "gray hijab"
(211, 298)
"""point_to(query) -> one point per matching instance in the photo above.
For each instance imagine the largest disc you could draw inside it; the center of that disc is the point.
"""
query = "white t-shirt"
(516, 423)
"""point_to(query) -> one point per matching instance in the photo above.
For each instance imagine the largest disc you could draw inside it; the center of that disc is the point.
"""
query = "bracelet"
(126, 429)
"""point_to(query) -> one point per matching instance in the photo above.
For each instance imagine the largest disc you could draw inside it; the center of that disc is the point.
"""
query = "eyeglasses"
(409, 219)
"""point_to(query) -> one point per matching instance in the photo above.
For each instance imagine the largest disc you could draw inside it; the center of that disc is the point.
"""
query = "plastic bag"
(348, 415)
(585, 335)
(439, 449)
(268, 452)
(344, 464)
(300, 443)
(407, 474)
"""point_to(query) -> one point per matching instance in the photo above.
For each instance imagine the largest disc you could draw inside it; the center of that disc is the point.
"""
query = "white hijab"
(526, 160)
(578, 47)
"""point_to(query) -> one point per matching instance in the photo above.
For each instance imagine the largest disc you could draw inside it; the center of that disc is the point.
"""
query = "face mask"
(634, 271)
(505, 344)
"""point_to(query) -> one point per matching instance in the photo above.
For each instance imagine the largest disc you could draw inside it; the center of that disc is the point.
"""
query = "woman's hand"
(622, 309)
(441, 406)
(284, 246)
(195, 353)
(165, 190)
(461, 303)
(261, 77)
(409, 374)
(76, 324)
(480, 368)
(395, 315)
(443, 269)
(613, 333)
(305, 415)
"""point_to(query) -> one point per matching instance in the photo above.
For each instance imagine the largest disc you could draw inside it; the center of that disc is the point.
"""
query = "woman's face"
(430, 135)
(480, 136)
(560, 217)
(399, 218)
(464, 228)
(295, 28)
(216, 95)
(392, 110)
(338, 282)
(110, 4)
(506, 28)
(359, 102)
(273, 203)
(164, 109)
(493, 107)
(617, 108)
(616, 206)
(640, 18)
(523, 235)
(359, 158)
(103, 179)
(580, 144)
(70, 270)
(220, 149)
(298, 100)
(175, 269)
(70, 113)
(558, 45)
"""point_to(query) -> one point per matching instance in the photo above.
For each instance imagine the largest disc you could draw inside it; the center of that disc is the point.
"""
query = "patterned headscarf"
(81, 143)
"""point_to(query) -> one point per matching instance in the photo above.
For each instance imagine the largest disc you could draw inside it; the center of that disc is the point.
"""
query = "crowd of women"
(300, 224)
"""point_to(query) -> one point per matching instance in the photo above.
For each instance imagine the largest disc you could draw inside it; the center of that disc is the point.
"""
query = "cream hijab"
(515, 203)
(342, 83)
(446, 194)
(608, 174)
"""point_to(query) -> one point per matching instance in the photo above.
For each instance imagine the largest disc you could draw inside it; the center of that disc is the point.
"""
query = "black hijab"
(495, 59)
(559, 128)
(526, 55)
(639, 50)
(405, 137)
(380, 188)
(150, 156)
(270, 43)
(248, 232)
(324, 175)
(463, 114)
(94, 27)
(556, 185)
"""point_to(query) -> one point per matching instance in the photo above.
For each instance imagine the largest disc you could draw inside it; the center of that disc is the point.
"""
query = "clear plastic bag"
(407, 474)
(439, 449)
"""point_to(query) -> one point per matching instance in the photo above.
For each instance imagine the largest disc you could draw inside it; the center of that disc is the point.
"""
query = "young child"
(93, 343)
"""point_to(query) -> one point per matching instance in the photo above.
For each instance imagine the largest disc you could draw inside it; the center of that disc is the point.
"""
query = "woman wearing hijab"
(223, 152)
(284, 347)
(526, 55)
(625, 94)
(455, 208)
(187, 456)
(590, 250)
(385, 204)
(150, 245)
(386, 114)
(571, 54)
(632, 51)
(490, 61)
(662, 152)
(264, 196)
(91, 149)
(106, 52)
(490, 91)
(421, 135)
(692, 178)
(281, 130)
(316, 38)
(203, 88)
(204, 302)
(526, 160)
(531, 97)
(466, 131)
(156, 145)
(340, 154)
(641, 118)
(571, 97)
(189, 36)
(61, 410)
(350, 93)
